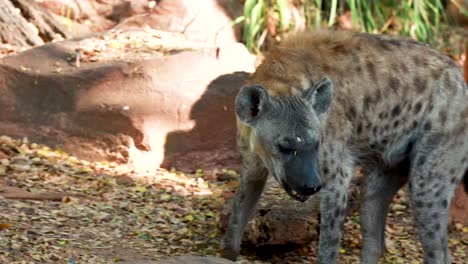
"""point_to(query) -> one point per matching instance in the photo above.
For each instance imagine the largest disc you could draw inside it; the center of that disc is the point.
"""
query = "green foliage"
(66, 14)
(253, 21)
(419, 19)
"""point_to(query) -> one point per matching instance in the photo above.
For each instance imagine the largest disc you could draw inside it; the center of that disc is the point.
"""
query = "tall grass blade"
(331, 19)
(283, 12)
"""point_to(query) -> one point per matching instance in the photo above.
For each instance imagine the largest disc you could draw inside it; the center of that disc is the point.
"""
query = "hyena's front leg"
(333, 201)
(436, 169)
(252, 182)
(378, 192)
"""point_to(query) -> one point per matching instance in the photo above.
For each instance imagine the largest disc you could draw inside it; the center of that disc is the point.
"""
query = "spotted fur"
(397, 105)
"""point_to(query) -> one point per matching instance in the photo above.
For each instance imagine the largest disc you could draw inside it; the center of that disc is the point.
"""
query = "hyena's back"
(386, 88)
(393, 103)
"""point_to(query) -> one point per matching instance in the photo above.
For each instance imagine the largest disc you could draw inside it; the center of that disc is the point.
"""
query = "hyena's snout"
(310, 190)
(305, 185)
(302, 177)
(301, 193)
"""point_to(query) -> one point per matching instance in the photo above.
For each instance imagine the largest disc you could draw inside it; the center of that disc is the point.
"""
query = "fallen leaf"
(3, 169)
(115, 45)
(4, 226)
(189, 217)
(140, 189)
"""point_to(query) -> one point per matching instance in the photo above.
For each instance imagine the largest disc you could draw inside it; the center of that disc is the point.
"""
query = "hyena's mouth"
(293, 194)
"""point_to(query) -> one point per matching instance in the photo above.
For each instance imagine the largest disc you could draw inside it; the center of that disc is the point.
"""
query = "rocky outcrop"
(459, 207)
(208, 21)
(283, 223)
(144, 98)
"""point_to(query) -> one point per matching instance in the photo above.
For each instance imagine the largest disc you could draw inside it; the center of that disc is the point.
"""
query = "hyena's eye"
(286, 150)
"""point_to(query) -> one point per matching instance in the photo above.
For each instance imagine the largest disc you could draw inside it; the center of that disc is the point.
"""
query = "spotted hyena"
(323, 102)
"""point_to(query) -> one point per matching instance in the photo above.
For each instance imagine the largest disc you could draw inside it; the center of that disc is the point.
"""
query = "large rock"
(284, 224)
(209, 21)
(141, 98)
(202, 20)
(459, 207)
(279, 220)
(83, 16)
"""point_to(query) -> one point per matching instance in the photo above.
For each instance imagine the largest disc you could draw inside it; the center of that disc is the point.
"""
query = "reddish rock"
(459, 207)
(22, 194)
(66, 8)
(128, 8)
(124, 180)
(207, 21)
(141, 111)
(279, 220)
(95, 15)
(282, 222)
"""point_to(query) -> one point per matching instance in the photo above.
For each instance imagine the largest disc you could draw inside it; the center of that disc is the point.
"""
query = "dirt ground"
(55, 208)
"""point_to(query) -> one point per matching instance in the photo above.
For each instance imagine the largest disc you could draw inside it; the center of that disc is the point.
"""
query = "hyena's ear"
(251, 103)
(320, 95)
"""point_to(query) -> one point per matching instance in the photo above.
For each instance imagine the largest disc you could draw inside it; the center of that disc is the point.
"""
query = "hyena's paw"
(230, 253)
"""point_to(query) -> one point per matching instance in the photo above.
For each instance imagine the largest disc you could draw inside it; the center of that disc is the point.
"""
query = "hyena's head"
(286, 134)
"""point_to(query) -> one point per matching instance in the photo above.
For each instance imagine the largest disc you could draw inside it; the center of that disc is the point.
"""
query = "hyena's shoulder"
(378, 79)
(352, 60)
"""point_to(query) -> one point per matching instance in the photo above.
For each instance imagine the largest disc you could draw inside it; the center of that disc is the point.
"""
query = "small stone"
(20, 167)
(124, 180)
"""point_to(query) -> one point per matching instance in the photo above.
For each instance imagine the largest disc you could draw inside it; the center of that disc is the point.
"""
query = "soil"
(57, 208)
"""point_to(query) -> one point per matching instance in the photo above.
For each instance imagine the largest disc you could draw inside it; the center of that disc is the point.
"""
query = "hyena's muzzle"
(302, 177)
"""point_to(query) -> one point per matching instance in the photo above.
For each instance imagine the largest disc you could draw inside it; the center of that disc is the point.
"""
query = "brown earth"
(107, 214)
(147, 99)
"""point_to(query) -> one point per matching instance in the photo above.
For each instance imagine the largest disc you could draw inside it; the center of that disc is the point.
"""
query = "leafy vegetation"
(423, 20)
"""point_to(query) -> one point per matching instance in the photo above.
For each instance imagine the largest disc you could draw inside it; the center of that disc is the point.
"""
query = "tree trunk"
(32, 26)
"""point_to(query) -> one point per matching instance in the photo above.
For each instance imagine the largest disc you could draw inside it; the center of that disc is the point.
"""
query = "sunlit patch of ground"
(106, 213)
(64, 210)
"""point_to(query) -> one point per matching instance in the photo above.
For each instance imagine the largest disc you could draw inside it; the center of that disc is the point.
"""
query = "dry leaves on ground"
(105, 213)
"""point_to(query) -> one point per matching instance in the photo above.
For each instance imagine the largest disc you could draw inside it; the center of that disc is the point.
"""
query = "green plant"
(66, 14)
(419, 19)
(253, 21)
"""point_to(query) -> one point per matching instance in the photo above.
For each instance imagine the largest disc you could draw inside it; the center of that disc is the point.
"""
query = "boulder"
(144, 98)
(83, 16)
(282, 223)
(279, 220)
(128, 8)
(459, 207)
(208, 21)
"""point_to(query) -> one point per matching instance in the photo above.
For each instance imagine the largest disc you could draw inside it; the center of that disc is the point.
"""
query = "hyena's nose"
(310, 190)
